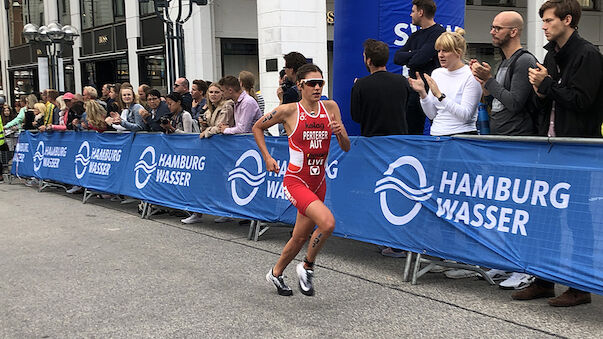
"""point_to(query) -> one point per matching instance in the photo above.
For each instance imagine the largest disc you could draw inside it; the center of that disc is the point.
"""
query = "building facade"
(125, 41)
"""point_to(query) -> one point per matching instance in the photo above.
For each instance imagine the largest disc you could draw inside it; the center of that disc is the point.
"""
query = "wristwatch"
(441, 97)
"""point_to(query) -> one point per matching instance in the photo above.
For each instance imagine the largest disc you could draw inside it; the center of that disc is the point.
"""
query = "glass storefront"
(20, 13)
(153, 72)
(97, 13)
(99, 72)
(64, 12)
(23, 82)
(240, 55)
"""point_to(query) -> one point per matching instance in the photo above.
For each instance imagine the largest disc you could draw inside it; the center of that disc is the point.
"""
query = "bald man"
(514, 105)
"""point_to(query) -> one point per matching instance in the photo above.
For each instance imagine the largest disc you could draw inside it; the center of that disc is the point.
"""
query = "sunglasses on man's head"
(313, 82)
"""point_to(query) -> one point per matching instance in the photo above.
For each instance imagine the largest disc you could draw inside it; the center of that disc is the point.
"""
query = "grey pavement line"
(340, 272)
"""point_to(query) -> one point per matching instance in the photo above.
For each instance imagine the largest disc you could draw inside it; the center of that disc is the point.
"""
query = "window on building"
(20, 13)
(97, 13)
(485, 53)
(147, 8)
(240, 55)
(152, 72)
(593, 5)
(507, 3)
(64, 12)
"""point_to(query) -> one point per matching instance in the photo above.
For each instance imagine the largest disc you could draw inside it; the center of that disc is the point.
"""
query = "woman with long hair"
(130, 118)
(247, 81)
(94, 116)
(219, 111)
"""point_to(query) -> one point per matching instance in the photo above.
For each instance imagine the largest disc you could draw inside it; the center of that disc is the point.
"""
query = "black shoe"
(279, 283)
(305, 279)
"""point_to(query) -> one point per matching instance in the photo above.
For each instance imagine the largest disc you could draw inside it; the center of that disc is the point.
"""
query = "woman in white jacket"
(454, 94)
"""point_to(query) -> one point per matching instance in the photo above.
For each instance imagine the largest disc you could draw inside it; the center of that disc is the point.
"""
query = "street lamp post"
(174, 32)
(51, 36)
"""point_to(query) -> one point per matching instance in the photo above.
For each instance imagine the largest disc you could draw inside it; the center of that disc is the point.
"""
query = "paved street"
(98, 270)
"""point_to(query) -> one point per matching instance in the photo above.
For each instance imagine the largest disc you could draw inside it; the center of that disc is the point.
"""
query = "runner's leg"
(319, 215)
(302, 229)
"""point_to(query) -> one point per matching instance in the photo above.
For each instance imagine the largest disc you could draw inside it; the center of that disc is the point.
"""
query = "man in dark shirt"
(181, 86)
(378, 101)
(570, 87)
(419, 55)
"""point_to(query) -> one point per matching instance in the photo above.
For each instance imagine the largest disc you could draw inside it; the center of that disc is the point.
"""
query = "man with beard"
(513, 98)
(419, 55)
(378, 101)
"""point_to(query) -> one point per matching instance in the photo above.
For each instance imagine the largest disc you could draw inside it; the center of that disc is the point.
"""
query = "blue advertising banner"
(523, 207)
(385, 20)
(87, 159)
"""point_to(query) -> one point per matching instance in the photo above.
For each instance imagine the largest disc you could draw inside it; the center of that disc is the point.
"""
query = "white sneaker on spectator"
(517, 281)
(128, 201)
(496, 275)
(389, 252)
(193, 219)
(74, 189)
(460, 274)
(221, 220)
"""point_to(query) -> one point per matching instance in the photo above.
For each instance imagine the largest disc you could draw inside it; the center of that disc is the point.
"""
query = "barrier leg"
(251, 230)
(416, 269)
(145, 207)
(87, 195)
(407, 266)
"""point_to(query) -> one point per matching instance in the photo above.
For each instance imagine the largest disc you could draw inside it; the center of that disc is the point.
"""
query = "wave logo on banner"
(392, 183)
(239, 172)
(82, 159)
(144, 166)
(38, 156)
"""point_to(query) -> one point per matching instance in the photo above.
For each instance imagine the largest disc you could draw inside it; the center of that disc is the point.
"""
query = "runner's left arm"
(337, 126)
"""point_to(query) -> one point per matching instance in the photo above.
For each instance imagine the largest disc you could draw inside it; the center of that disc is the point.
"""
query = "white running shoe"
(193, 219)
(305, 279)
(221, 220)
(460, 274)
(279, 283)
(517, 281)
(496, 275)
(74, 189)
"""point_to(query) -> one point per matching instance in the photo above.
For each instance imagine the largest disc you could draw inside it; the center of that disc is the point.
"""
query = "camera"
(287, 84)
(164, 120)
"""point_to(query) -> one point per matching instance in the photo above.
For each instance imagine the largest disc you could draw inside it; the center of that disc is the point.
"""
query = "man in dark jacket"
(158, 109)
(570, 84)
(570, 88)
(419, 55)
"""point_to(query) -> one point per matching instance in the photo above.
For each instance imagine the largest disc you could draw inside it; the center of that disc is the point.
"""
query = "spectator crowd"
(560, 96)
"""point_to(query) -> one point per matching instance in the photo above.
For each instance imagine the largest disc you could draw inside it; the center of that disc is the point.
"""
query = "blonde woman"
(94, 116)
(454, 93)
(219, 111)
(39, 110)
